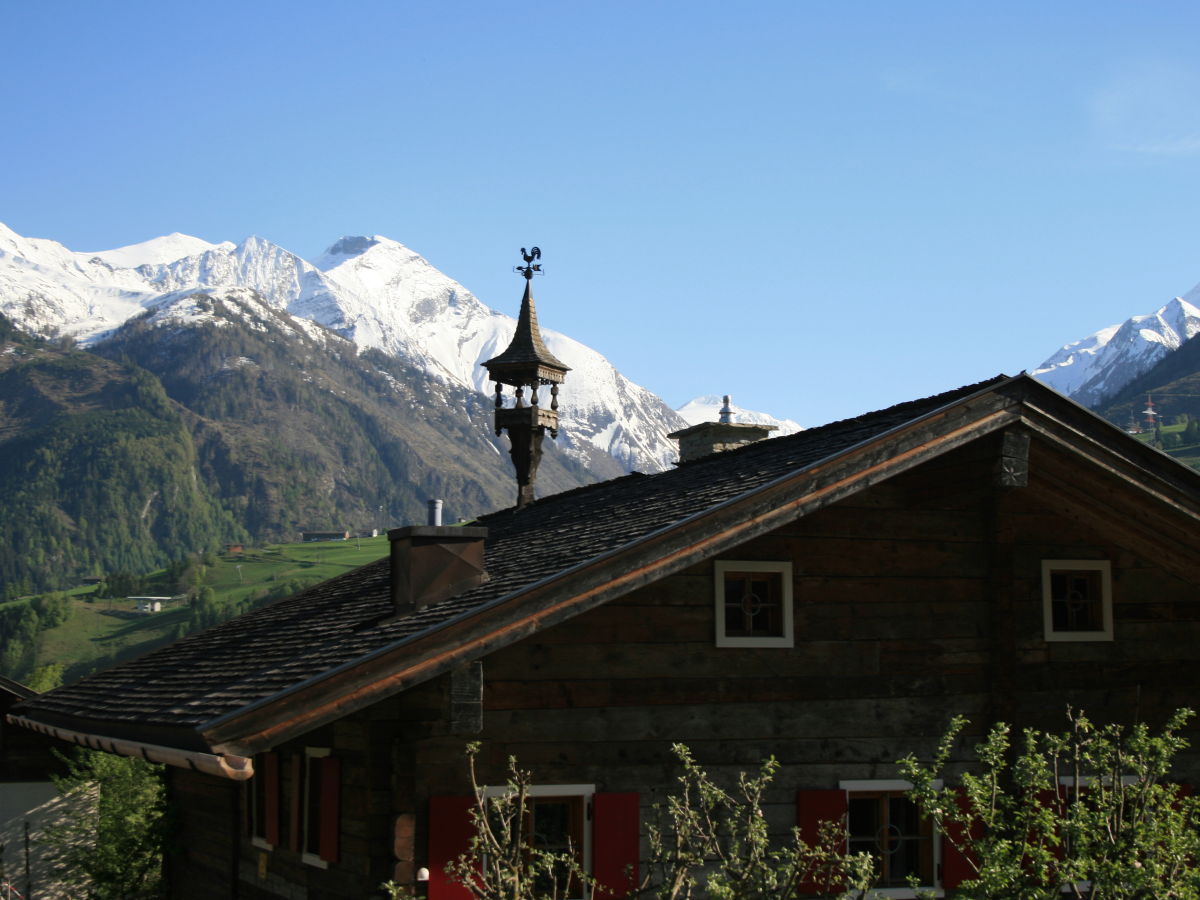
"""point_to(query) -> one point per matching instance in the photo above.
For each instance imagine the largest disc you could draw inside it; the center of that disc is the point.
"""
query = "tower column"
(526, 363)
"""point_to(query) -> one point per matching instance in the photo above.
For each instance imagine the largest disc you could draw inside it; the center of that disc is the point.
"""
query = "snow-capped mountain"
(372, 290)
(1095, 367)
(708, 409)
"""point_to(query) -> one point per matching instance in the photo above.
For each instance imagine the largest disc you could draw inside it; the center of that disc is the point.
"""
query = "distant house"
(307, 536)
(831, 598)
(149, 605)
(234, 548)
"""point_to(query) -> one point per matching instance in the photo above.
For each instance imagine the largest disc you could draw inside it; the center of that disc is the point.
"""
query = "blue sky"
(819, 208)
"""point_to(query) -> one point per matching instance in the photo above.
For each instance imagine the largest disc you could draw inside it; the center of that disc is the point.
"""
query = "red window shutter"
(958, 867)
(331, 808)
(295, 838)
(1056, 799)
(813, 808)
(450, 831)
(616, 844)
(270, 811)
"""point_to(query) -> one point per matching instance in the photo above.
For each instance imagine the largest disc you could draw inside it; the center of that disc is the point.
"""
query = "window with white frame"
(754, 604)
(557, 820)
(882, 821)
(1077, 599)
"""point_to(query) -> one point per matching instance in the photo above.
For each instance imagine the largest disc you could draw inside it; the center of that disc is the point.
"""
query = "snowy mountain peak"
(372, 290)
(1095, 367)
(156, 251)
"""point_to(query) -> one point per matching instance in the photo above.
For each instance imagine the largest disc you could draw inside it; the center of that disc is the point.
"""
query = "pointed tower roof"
(526, 360)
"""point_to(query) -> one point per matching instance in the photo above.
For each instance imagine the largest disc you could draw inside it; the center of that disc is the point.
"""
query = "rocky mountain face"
(213, 417)
(280, 395)
(372, 291)
(296, 429)
(98, 469)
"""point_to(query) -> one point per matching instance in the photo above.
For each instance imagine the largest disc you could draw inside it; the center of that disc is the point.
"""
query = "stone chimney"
(431, 563)
(708, 438)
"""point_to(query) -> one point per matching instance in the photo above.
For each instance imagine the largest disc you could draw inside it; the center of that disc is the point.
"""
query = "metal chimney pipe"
(435, 513)
(726, 411)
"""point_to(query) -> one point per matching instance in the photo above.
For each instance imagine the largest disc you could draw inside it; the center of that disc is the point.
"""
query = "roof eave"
(223, 765)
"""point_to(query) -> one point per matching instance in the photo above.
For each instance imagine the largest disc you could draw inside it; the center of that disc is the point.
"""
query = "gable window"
(1077, 599)
(754, 604)
(882, 821)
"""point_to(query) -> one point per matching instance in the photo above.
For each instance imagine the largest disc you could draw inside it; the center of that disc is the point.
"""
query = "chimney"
(434, 562)
(708, 438)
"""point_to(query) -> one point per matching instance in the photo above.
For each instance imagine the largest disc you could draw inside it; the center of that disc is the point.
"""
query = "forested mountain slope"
(97, 469)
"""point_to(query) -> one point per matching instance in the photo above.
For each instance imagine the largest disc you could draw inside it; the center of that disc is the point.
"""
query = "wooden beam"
(1012, 469)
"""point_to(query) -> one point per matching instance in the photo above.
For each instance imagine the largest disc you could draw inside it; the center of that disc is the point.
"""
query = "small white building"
(149, 605)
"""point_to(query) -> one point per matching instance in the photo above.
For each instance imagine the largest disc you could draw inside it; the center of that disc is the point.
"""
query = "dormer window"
(1077, 599)
(754, 604)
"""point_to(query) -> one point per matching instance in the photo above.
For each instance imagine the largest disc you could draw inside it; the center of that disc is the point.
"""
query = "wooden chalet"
(831, 597)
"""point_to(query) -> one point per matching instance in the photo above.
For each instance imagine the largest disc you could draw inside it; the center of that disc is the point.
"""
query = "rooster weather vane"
(529, 268)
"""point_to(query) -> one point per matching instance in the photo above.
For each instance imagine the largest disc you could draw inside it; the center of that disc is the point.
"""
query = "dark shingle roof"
(269, 651)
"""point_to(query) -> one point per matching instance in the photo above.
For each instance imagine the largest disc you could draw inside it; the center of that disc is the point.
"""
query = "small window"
(262, 801)
(557, 821)
(1077, 599)
(754, 604)
(882, 821)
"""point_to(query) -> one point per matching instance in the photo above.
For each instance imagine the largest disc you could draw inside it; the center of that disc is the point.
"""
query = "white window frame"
(584, 791)
(870, 785)
(312, 859)
(784, 569)
(1104, 567)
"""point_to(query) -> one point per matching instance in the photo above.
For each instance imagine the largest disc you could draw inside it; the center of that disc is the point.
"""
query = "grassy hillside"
(100, 632)
(1177, 441)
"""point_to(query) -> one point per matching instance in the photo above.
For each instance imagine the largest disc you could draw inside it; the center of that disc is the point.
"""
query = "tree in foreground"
(110, 843)
(1088, 813)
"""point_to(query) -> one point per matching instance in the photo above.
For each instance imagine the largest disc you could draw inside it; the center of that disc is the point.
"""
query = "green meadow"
(102, 631)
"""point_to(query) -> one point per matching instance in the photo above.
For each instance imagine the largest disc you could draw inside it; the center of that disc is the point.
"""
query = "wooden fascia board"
(605, 578)
(1154, 518)
(1159, 477)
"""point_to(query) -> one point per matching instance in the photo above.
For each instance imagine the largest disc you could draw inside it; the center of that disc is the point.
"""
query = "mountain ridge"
(372, 290)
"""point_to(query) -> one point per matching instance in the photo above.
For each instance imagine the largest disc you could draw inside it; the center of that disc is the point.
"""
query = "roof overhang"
(237, 768)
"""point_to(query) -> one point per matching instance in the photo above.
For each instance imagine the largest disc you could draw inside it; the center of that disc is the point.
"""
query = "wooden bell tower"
(527, 364)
